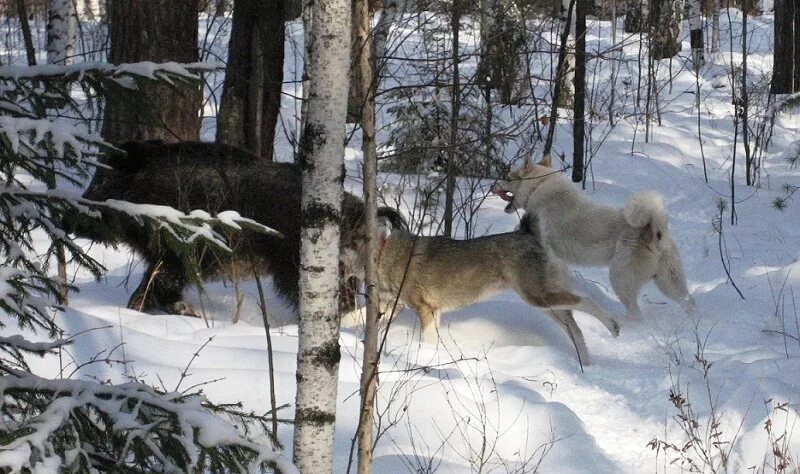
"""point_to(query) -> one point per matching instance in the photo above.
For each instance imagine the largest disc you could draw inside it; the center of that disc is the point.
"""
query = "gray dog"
(436, 274)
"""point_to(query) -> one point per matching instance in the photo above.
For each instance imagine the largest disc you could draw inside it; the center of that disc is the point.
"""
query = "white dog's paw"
(354, 318)
(614, 328)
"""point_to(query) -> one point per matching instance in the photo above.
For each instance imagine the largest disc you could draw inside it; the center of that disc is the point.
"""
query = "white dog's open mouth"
(504, 195)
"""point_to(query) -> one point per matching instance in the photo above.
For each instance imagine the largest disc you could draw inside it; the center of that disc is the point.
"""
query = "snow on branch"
(84, 425)
(19, 343)
(186, 227)
(32, 132)
(80, 71)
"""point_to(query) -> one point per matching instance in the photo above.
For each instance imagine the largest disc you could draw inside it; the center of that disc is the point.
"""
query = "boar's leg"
(161, 289)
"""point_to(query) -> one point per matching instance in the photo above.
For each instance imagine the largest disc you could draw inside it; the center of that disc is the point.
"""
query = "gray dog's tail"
(645, 209)
(392, 217)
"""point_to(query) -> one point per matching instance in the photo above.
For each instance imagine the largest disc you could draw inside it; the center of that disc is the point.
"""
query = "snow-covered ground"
(502, 390)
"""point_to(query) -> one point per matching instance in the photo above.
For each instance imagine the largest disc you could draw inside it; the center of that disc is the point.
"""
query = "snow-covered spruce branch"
(83, 425)
(31, 138)
(98, 75)
(81, 71)
(31, 91)
(40, 348)
(784, 103)
(14, 348)
(187, 228)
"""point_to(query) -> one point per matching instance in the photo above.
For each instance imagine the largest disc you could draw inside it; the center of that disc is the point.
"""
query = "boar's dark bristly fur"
(212, 177)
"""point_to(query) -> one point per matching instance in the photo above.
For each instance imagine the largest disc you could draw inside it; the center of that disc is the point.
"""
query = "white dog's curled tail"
(647, 208)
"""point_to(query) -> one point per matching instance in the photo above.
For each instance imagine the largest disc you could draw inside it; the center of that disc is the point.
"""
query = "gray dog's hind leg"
(565, 319)
(429, 323)
(588, 306)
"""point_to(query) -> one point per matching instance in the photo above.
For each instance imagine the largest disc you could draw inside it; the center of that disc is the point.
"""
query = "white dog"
(633, 241)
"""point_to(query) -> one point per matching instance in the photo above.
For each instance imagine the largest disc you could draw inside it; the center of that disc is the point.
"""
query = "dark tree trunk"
(455, 105)
(251, 93)
(272, 40)
(503, 42)
(784, 71)
(26, 32)
(580, 91)
(153, 31)
(292, 9)
(355, 99)
(236, 87)
(796, 13)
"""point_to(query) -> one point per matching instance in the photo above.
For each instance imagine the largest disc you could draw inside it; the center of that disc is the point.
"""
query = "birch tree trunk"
(308, 22)
(62, 25)
(695, 9)
(61, 32)
(715, 26)
(388, 16)
(636, 13)
(562, 54)
(322, 167)
(567, 77)
(665, 28)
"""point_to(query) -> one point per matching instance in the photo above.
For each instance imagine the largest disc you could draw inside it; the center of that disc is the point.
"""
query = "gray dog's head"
(353, 251)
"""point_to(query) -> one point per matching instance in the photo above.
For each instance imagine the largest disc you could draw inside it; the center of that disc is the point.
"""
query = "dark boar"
(212, 177)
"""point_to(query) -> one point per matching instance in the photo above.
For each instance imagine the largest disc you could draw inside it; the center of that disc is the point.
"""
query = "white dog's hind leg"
(670, 278)
(626, 284)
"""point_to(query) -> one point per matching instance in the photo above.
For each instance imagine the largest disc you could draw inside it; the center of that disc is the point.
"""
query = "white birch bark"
(388, 17)
(665, 31)
(308, 21)
(89, 9)
(321, 161)
(695, 13)
(568, 77)
(62, 24)
(715, 7)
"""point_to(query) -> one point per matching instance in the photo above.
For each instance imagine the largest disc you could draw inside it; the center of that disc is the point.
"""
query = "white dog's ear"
(528, 161)
(546, 161)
